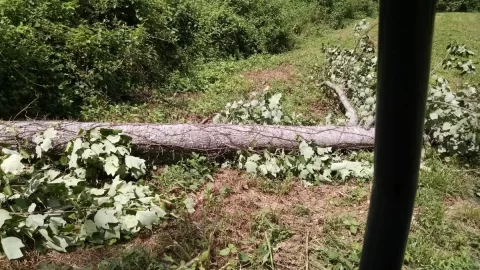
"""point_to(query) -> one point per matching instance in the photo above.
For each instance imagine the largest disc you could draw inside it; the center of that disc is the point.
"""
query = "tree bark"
(350, 112)
(199, 137)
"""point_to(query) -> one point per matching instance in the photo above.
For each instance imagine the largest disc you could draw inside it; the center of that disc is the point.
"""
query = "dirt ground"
(231, 218)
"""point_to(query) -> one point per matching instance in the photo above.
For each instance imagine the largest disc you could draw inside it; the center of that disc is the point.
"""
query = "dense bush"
(458, 5)
(64, 53)
(337, 13)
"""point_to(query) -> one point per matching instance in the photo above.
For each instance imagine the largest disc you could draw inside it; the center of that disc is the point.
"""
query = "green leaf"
(58, 243)
(97, 191)
(322, 151)
(13, 164)
(232, 248)
(158, 210)
(449, 97)
(305, 150)
(224, 252)
(370, 101)
(146, 218)
(31, 208)
(274, 101)
(12, 247)
(243, 257)
(189, 204)
(122, 199)
(122, 151)
(87, 153)
(446, 126)
(50, 133)
(109, 147)
(111, 165)
(98, 148)
(137, 164)
(128, 222)
(58, 221)
(35, 221)
(95, 134)
(4, 215)
(52, 174)
(46, 145)
(251, 166)
(113, 138)
(115, 184)
(81, 173)
(90, 227)
(105, 216)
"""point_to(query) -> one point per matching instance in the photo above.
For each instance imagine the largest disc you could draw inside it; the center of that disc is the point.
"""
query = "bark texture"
(350, 112)
(200, 137)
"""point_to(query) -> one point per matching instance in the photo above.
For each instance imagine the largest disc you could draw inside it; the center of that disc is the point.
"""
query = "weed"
(187, 175)
(301, 210)
(272, 186)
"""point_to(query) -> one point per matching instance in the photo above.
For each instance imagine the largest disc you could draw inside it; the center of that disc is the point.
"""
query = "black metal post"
(405, 40)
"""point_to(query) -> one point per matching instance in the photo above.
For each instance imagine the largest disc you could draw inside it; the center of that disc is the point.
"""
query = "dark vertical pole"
(405, 40)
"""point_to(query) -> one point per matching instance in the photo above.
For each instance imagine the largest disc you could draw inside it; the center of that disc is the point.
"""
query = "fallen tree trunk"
(200, 137)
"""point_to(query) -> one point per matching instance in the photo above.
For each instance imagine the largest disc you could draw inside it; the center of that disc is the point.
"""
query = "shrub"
(337, 13)
(62, 53)
(458, 5)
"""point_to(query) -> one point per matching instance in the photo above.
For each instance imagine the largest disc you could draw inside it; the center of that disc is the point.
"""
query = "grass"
(268, 224)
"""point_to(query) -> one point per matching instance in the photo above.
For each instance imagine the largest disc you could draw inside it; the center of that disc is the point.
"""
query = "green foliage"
(71, 51)
(356, 70)
(265, 110)
(458, 57)
(240, 28)
(458, 5)
(310, 163)
(81, 197)
(337, 13)
(188, 175)
(453, 119)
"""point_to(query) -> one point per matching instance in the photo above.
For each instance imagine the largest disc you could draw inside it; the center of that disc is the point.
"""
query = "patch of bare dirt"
(264, 78)
(237, 212)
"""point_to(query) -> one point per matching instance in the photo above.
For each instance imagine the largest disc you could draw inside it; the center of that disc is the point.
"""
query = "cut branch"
(350, 112)
(199, 137)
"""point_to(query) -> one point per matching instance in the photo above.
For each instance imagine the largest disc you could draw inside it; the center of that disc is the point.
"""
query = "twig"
(349, 110)
(26, 107)
(364, 34)
(440, 63)
(453, 105)
(306, 252)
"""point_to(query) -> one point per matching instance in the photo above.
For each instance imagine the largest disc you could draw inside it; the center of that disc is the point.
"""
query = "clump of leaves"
(453, 119)
(458, 57)
(355, 70)
(82, 197)
(311, 163)
(266, 109)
